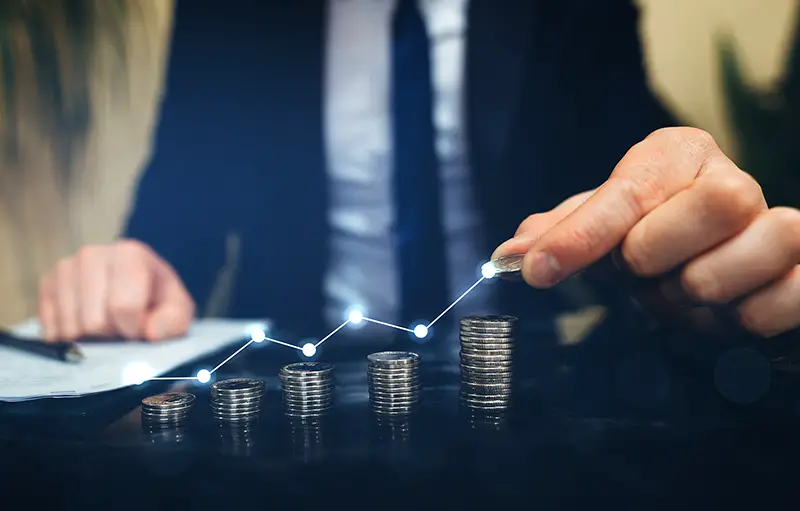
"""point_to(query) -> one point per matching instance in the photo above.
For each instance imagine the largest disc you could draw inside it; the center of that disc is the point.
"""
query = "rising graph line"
(310, 349)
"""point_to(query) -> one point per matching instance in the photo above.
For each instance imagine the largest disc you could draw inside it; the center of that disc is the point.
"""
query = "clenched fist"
(676, 201)
(123, 289)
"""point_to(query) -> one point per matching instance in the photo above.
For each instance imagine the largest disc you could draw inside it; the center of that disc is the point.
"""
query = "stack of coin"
(394, 382)
(166, 411)
(487, 349)
(237, 400)
(307, 388)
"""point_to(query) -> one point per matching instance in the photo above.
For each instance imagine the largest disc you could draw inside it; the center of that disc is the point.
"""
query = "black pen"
(64, 351)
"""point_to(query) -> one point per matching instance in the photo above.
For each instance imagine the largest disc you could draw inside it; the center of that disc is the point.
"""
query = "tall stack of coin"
(487, 349)
(166, 411)
(307, 388)
(394, 382)
(237, 400)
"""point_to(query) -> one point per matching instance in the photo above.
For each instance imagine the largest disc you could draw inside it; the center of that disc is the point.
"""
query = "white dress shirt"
(363, 269)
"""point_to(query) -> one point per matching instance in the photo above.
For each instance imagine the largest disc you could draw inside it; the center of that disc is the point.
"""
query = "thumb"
(172, 309)
(533, 227)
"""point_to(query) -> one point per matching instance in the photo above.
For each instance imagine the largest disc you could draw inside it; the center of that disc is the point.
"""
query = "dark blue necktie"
(418, 224)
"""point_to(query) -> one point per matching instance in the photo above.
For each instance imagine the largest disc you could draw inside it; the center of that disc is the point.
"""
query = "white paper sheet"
(111, 366)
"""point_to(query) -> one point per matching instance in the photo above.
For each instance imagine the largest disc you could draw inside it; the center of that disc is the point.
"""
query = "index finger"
(651, 172)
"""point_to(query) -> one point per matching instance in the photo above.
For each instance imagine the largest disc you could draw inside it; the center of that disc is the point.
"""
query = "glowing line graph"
(308, 350)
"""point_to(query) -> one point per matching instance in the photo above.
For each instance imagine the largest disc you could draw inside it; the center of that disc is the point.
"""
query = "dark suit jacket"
(556, 94)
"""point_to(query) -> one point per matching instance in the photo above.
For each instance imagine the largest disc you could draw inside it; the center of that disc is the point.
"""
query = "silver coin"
(393, 359)
(238, 413)
(398, 393)
(485, 388)
(302, 382)
(164, 420)
(169, 400)
(488, 345)
(305, 377)
(393, 371)
(469, 350)
(305, 415)
(387, 387)
(327, 385)
(175, 411)
(393, 402)
(479, 335)
(488, 320)
(405, 380)
(233, 409)
(488, 329)
(504, 397)
(485, 401)
(394, 410)
(307, 410)
(508, 265)
(307, 367)
(307, 398)
(486, 378)
(237, 385)
(241, 401)
(479, 363)
(393, 379)
(483, 340)
(309, 401)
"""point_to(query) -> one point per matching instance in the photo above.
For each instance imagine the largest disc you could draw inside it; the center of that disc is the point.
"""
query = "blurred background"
(82, 81)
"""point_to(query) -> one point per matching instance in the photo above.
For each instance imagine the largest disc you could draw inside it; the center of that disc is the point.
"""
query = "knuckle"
(702, 286)
(45, 285)
(94, 324)
(787, 221)
(89, 252)
(123, 307)
(133, 248)
(693, 140)
(636, 258)
(527, 224)
(736, 195)
(585, 238)
(643, 189)
(63, 266)
(752, 321)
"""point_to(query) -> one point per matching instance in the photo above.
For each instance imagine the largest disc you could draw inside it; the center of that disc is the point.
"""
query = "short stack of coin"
(237, 400)
(165, 411)
(394, 382)
(487, 357)
(307, 388)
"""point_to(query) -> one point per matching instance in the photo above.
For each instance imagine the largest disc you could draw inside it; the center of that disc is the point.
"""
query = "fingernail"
(518, 241)
(543, 270)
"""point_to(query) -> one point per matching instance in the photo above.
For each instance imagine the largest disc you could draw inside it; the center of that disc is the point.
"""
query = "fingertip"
(541, 270)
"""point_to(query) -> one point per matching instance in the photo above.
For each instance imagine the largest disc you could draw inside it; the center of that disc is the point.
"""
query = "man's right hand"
(123, 289)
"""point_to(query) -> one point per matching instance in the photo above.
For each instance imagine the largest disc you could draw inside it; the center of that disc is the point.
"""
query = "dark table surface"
(612, 417)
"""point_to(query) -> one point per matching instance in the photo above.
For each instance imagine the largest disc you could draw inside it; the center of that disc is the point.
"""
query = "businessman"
(376, 152)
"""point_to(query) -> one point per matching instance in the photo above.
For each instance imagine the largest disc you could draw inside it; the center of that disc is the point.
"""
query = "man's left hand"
(675, 200)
